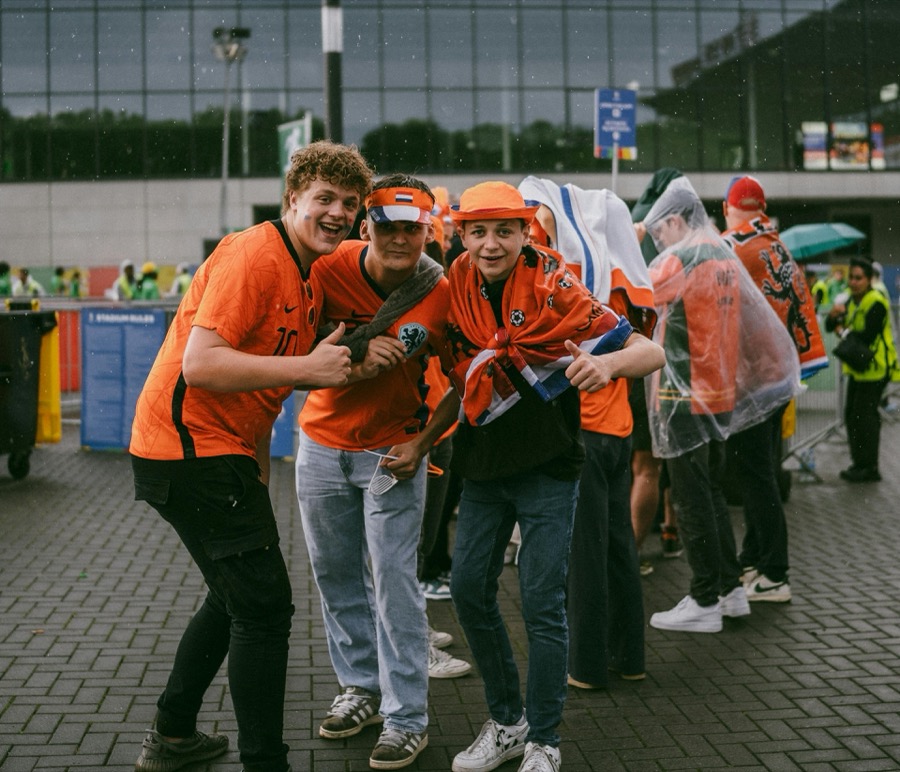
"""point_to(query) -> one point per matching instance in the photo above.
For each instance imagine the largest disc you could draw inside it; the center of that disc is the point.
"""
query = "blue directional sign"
(615, 110)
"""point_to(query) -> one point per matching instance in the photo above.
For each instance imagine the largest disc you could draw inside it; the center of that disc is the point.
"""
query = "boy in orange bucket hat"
(523, 329)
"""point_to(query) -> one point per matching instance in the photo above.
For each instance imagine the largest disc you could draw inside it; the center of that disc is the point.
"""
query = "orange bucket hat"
(493, 201)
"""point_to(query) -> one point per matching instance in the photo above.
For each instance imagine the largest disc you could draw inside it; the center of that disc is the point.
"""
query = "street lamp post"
(229, 49)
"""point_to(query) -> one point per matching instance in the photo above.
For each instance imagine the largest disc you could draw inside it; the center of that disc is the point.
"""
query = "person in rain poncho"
(723, 373)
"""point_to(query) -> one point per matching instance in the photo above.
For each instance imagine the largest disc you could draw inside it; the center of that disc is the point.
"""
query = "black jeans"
(605, 602)
(863, 421)
(223, 514)
(757, 455)
(704, 523)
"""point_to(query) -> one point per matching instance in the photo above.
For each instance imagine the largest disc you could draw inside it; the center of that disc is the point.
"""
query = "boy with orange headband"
(522, 329)
(360, 476)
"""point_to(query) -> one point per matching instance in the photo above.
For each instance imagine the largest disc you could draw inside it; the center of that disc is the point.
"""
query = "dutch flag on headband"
(403, 198)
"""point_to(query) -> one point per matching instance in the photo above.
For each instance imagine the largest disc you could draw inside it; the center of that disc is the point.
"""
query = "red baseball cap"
(745, 193)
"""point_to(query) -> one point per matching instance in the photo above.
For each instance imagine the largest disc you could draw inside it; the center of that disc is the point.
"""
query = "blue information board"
(118, 347)
(282, 445)
(616, 120)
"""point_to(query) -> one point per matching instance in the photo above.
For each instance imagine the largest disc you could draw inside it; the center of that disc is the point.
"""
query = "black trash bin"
(20, 355)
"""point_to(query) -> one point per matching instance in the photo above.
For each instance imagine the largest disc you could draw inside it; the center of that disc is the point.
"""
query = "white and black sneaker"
(764, 589)
(495, 744)
(540, 758)
(350, 711)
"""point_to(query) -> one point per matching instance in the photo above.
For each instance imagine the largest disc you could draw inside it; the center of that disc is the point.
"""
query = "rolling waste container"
(21, 334)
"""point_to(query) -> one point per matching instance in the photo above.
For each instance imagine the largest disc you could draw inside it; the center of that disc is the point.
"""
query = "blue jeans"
(362, 548)
(545, 510)
(223, 514)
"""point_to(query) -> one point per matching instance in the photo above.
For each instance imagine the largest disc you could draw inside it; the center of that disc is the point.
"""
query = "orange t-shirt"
(251, 292)
(607, 411)
(390, 408)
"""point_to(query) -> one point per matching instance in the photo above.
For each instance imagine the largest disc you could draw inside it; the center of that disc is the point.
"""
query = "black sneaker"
(352, 710)
(160, 755)
(396, 748)
(671, 544)
(860, 474)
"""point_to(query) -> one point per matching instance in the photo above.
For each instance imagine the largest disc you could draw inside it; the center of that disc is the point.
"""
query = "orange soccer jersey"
(389, 408)
(251, 292)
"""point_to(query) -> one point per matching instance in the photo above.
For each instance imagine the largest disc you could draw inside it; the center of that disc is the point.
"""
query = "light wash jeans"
(362, 549)
(545, 510)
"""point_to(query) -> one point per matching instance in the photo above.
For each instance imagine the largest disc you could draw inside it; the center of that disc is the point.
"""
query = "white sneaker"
(735, 603)
(748, 574)
(764, 589)
(438, 639)
(690, 617)
(442, 665)
(435, 589)
(494, 745)
(540, 758)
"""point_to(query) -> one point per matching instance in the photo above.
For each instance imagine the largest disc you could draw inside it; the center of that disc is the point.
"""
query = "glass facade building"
(109, 89)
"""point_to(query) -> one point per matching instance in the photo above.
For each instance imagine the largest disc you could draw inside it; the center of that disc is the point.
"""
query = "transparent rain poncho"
(730, 362)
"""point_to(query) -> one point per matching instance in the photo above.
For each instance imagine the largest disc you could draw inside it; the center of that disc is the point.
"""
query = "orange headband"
(399, 204)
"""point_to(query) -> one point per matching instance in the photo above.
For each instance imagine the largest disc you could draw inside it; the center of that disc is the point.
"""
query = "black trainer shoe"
(396, 748)
(160, 755)
(671, 544)
(352, 710)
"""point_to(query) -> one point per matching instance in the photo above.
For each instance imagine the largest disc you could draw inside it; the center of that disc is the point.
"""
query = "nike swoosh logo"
(288, 309)
(760, 589)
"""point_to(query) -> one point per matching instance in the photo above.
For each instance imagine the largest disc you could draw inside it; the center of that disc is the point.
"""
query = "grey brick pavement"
(95, 590)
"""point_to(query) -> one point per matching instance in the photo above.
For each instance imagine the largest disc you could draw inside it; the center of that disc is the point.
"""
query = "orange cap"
(493, 201)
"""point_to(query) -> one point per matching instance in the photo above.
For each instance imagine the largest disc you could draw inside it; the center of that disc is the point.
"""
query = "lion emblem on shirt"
(413, 336)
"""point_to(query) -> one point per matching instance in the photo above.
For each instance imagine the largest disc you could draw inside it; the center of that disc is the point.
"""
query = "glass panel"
(496, 59)
(264, 64)
(676, 48)
(304, 49)
(121, 136)
(542, 64)
(450, 47)
(403, 47)
(24, 67)
(632, 49)
(364, 117)
(168, 38)
(72, 137)
(72, 47)
(169, 138)
(452, 109)
(647, 134)
(360, 62)
(544, 105)
(588, 48)
(725, 93)
(119, 50)
(885, 80)
(25, 140)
